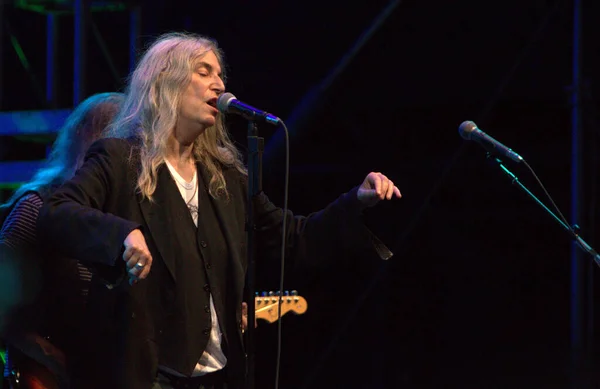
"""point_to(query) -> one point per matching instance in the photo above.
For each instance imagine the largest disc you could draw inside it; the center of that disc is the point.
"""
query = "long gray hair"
(153, 98)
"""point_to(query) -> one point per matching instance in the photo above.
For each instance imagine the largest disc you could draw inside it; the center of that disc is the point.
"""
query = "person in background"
(43, 294)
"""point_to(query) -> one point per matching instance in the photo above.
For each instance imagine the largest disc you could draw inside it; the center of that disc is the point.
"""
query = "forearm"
(334, 231)
(339, 229)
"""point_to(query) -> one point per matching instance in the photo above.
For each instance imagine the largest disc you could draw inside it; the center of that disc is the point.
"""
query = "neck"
(180, 152)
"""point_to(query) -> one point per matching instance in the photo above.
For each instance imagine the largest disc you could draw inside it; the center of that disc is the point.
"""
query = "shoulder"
(114, 147)
(115, 154)
(26, 207)
(229, 166)
(22, 215)
(233, 176)
(30, 201)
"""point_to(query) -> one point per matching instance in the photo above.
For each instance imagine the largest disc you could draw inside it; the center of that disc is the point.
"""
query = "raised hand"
(376, 187)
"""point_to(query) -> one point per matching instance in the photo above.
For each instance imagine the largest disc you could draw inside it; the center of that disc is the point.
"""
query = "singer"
(158, 210)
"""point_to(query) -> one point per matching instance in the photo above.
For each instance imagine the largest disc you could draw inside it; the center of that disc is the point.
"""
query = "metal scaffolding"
(48, 119)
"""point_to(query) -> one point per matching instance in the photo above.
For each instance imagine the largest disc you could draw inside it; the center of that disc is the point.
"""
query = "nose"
(218, 86)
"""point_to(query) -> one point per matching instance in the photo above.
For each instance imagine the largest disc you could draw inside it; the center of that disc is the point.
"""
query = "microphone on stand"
(228, 103)
(469, 131)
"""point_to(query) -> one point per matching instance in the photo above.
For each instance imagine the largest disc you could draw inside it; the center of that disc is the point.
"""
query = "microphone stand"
(255, 151)
(570, 230)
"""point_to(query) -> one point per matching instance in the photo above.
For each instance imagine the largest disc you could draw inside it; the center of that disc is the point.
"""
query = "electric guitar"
(266, 307)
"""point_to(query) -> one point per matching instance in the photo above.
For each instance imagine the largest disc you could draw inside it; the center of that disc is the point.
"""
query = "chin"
(209, 122)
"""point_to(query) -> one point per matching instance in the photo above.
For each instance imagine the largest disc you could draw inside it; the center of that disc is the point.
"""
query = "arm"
(74, 222)
(336, 229)
(20, 275)
(18, 230)
(22, 269)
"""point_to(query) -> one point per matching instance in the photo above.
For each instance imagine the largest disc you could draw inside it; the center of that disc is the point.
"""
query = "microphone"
(228, 103)
(469, 131)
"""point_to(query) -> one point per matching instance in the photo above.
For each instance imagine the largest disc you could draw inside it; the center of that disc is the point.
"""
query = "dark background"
(478, 294)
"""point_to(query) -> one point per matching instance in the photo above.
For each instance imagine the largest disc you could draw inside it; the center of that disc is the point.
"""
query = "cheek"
(186, 109)
(194, 97)
(189, 104)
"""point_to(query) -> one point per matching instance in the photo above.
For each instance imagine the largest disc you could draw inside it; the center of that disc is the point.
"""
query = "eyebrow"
(208, 66)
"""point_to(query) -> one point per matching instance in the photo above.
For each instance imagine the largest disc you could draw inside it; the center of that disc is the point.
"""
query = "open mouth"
(212, 103)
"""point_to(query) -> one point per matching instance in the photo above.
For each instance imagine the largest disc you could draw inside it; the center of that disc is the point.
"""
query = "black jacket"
(92, 214)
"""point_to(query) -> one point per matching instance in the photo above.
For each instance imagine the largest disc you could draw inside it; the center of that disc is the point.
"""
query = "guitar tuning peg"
(264, 294)
(287, 292)
(255, 294)
(277, 293)
(271, 293)
(294, 293)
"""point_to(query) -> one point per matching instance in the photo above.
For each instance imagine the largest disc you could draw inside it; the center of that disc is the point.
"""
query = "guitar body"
(32, 375)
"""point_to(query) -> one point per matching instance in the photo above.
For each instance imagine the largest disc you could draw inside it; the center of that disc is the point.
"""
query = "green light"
(20, 52)
(10, 185)
(66, 7)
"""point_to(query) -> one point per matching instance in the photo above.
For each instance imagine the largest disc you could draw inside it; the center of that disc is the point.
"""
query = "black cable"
(283, 241)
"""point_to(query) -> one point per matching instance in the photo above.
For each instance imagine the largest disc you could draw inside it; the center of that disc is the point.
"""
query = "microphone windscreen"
(223, 102)
(466, 129)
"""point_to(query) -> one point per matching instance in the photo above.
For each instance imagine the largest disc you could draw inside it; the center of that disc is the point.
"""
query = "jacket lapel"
(225, 210)
(226, 214)
(158, 218)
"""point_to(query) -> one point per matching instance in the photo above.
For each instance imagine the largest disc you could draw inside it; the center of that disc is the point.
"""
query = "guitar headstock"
(268, 305)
